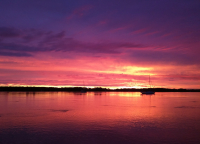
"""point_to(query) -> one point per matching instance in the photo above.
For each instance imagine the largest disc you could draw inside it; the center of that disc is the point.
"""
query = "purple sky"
(103, 43)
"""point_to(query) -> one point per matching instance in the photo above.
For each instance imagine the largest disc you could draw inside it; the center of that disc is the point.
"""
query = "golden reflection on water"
(103, 117)
(97, 110)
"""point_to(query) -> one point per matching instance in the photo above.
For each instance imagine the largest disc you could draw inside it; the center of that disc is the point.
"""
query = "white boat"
(148, 92)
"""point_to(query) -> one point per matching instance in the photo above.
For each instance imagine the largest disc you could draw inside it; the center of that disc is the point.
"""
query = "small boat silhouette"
(148, 92)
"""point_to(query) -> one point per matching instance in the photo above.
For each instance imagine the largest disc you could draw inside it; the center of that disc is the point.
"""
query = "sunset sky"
(107, 43)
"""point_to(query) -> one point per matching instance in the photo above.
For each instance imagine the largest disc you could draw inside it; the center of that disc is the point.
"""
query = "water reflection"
(97, 117)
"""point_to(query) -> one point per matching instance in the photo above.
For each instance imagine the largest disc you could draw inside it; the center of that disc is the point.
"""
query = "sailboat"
(84, 89)
(148, 91)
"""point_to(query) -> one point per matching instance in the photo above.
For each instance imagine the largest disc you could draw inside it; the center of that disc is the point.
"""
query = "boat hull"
(148, 92)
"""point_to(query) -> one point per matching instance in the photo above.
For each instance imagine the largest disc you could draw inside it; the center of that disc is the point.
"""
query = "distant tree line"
(80, 89)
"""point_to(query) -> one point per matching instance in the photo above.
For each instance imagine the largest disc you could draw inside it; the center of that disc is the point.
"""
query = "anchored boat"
(148, 92)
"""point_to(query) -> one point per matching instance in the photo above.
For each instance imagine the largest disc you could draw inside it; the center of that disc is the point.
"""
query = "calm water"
(99, 117)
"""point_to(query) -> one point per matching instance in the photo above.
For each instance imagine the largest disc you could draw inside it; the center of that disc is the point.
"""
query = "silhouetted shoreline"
(81, 89)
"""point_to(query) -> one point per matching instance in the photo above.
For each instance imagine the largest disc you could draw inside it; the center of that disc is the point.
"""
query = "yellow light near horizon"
(130, 70)
(109, 87)
(139, 70)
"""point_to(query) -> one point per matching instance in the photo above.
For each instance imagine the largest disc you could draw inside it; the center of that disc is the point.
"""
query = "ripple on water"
(185, 107)
(53, 110)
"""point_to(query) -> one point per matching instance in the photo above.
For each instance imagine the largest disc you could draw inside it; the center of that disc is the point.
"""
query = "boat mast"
(149, 82)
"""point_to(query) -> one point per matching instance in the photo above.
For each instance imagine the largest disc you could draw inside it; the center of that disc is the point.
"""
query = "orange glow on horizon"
(102, 73)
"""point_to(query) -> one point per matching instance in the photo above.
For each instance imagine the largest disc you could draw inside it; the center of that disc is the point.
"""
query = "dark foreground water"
(99, 118)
